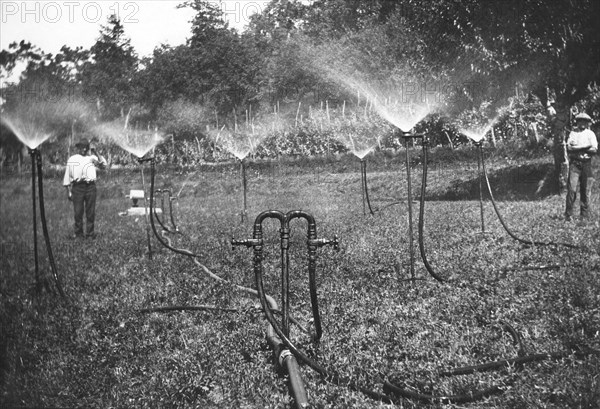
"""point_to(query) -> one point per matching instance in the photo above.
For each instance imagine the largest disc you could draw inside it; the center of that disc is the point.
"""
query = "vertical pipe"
(479, 160)
(410, 220)
(45, 226)
(32, 153)
(146, 210)
(244, 190)
(362, 186)
(364, 170)
(312, 281)
(285, 278)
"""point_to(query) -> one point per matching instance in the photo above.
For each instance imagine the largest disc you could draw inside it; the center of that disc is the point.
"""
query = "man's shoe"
(92, 236)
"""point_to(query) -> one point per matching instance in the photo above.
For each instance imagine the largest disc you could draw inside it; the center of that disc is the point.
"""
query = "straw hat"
(583, 117)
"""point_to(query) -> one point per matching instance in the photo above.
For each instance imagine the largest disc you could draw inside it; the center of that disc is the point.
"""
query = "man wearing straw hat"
(80, 182)
(581, 146)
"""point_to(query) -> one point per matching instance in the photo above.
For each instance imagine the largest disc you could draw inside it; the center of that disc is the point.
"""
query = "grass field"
(99, 351)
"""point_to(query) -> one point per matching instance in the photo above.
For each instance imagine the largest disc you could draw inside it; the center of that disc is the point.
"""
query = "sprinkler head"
(142, 160)
(32, 151)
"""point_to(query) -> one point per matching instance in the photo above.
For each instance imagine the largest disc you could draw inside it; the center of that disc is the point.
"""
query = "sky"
(148, 23)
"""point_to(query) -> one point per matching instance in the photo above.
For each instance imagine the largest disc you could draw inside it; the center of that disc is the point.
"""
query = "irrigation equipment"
(36, 162)
(244, 212)
(275, 332)
(365, 189)
(141, 161)
(166, 193)
(501, 219)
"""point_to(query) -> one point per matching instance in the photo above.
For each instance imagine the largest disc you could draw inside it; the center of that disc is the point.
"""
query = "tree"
(107, 78)
(551, 48)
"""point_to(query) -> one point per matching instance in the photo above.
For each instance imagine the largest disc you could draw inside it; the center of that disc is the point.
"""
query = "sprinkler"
(36, 161)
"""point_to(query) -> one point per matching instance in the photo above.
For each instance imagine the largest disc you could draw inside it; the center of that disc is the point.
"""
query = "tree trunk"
(560, 120)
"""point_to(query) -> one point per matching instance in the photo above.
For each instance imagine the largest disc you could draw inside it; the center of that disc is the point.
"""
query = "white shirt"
(82, 168)
(582, 139)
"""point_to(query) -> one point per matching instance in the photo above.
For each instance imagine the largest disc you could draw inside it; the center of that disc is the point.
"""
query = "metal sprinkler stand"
(33, 153)
(275, 331)
(407, 136)
(146, 216)
(479, 145)
(244, 212)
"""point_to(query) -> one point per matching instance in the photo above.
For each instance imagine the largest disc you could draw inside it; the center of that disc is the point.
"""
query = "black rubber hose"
(466, 370)
(328, 375)
(422, 218)
(364, 178)
(155, 213)
(45, 227)
(171, 214)
(426, 398)
(510, 233)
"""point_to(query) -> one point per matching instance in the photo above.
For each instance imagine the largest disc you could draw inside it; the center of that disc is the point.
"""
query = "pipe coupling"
(285, 354)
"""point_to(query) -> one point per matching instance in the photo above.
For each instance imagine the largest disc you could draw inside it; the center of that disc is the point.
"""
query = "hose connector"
(325, 242)
(245, 242)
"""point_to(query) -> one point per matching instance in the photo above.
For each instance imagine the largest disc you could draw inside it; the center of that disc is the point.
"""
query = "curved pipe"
(422, 216)
(503, 223)
(45, 227)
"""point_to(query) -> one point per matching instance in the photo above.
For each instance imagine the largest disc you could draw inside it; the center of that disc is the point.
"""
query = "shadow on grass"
(528, 182)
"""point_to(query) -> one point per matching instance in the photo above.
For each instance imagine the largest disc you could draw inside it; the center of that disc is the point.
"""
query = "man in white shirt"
(581, 146)
(80, 182)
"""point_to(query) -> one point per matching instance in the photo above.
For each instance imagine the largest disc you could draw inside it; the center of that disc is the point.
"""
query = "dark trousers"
(580, 173)
(84, 199)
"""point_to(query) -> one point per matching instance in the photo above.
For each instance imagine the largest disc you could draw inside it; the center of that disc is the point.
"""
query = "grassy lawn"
(99, 351)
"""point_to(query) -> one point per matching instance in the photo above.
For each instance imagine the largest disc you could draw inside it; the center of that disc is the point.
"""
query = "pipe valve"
(325, 242)
(245, 242)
